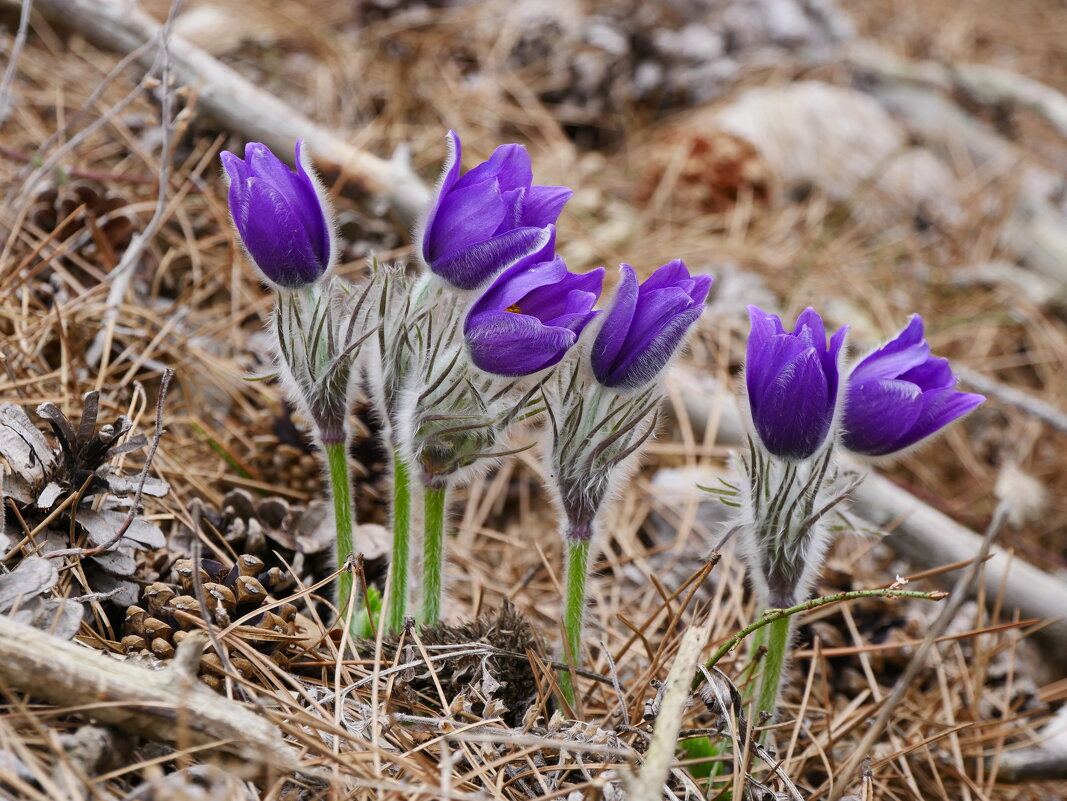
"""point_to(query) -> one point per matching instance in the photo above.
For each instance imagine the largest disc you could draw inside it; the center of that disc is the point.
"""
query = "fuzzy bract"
(646, 324)
(488, 218)
(793, 382)
(531, 315)
(280, 215)
(901, 394)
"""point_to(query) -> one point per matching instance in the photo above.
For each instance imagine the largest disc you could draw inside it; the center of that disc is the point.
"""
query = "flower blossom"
(793, 382)
(531, 315)
(281, 215)
(489, 218)
(901, 394)
(646, 324)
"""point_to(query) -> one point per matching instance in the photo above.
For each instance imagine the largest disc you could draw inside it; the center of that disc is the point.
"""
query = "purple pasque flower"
(793, 381)
(532, 314)
(489, 218)
(281, 215)
(646, 324)
(901, 394)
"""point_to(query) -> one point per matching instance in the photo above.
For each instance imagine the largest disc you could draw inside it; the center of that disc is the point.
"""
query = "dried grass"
(198, 310)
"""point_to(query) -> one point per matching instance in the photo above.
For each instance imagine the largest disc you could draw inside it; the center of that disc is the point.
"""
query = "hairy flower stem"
(574, 611)
(397, 603)
(341, 489)
(777, 642)
(434, 505)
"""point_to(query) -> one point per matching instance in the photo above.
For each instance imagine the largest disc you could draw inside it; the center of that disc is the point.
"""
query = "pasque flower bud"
(793, 382)
(646, 324)
(282, 216)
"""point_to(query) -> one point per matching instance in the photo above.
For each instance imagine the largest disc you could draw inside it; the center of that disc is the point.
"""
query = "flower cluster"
(494, 330)
(803, 403)
(489, 335)
(895, 398)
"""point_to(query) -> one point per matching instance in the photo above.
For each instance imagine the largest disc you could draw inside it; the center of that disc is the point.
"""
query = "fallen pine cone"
(168, 611)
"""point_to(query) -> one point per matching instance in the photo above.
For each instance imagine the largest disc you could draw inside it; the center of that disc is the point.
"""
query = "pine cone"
(297, 540)
(285, 458)
(40, 480)
(169, 611)
(92, 217)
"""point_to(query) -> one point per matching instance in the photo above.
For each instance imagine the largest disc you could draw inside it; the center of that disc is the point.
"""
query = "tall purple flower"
(792, 381)
(646, 324)
(901, 394)
(489, 218)
(280, 215)
(532, 314)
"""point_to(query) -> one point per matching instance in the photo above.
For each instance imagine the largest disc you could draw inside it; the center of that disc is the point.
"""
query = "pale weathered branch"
(993, 86)
(161, 705)
(660, 755)
(236, 103)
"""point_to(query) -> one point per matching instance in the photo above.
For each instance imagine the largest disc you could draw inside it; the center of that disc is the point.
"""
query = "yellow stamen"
(514, 308)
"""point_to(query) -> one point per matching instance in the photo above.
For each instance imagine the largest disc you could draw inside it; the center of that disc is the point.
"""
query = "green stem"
(397, 603)
(341, 489)
(773, 666)
(574, 611)
(759, 639)
(807, 606)
(434, 504)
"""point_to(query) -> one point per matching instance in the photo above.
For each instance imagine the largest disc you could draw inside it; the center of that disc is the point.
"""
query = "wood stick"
(167, 705)
(986, 84)
(660, 755)
(236, 103)
(920, 533)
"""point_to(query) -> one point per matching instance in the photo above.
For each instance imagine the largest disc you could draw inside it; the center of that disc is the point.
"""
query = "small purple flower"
(280, 215)
(646, 324)
(792, 380)
(531, 315)
(489, 218)
(901, 394)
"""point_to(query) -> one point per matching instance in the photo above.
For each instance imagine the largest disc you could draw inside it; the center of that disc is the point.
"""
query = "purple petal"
(449, 176)
(794, 410)
(265, 165)
(577, 321)
(509, 166)
(905, 351)
(562, 297)
(543, 204)
(701, 288)
(810, 330)
(940, 407)
(933, 373)
(764, 365)
(879, 412)
(313, 213)
(670, 274)
(512, 287)
(612, 335)
(464, 218)
(236, 169)
(513, 200)
(515, 344)
(829, 361)
(472, 267)
(764, 325)
(275, 236)
(643, 364)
